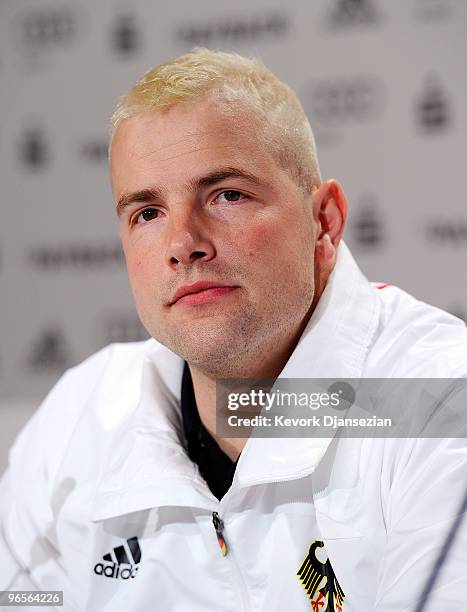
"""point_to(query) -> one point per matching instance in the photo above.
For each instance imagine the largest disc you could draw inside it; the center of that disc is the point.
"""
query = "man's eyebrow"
(151, 194)
(220, 175)
(143, 195)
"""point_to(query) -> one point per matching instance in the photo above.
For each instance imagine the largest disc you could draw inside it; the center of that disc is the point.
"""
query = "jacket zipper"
(219, 527)
(226, 552)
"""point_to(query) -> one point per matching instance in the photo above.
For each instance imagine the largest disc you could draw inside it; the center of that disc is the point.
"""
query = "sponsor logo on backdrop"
(367, 226)
(351, 13)
(49, 351)
(447, 232)
(80, 256)
(45, 28)
(433, 107)
(126, 35)
(343, 100)
(94, 151)
(34, 149)
(123, 327)
(234, 29)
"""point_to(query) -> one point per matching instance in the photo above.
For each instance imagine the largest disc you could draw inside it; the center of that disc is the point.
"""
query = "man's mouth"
(201, 292)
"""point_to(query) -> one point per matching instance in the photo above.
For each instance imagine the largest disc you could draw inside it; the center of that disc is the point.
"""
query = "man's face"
(203, 201)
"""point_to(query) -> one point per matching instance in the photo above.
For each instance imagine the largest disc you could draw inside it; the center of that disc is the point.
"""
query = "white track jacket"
(101, 501)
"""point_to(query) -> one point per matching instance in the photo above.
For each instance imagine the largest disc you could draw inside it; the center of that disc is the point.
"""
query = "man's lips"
(201, 292)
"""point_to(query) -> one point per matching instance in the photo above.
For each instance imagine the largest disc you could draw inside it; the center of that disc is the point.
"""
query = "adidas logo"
(122, 561)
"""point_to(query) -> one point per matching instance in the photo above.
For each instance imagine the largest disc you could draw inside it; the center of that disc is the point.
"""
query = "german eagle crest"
(320, 582)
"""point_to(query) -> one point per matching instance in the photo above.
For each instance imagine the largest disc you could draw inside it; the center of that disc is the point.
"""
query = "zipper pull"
(219, 527)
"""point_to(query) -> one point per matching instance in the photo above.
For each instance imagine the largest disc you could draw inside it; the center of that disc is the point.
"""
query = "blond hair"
(237, 84)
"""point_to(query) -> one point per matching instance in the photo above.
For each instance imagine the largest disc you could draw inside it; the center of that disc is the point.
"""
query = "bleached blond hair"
(238, 85)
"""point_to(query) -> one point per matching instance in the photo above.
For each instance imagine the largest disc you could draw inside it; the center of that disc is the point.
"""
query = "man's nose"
(188, 242)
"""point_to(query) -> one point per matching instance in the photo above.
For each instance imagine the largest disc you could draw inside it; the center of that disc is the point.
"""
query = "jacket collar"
(149, 465)
(334, 344)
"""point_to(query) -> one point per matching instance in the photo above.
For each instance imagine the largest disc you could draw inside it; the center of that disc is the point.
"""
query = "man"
(121, 493)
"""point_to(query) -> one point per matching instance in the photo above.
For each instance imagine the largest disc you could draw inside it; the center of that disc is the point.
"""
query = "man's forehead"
(182, 128)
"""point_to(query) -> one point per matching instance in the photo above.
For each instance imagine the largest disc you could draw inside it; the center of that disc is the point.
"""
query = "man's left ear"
(330, 213)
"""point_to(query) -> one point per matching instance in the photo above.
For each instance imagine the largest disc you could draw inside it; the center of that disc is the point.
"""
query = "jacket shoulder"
(417, 339)
(44, 439)
(111, 357)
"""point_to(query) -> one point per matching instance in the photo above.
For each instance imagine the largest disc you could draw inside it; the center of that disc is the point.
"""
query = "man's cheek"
(258, 239)
(137, 265)
(272, 242)
(142, 278)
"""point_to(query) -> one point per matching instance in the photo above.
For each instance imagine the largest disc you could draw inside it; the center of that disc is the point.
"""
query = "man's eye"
(230, 195)
(148, 214)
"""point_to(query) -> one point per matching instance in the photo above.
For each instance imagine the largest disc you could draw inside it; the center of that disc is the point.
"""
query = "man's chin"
(211, 349)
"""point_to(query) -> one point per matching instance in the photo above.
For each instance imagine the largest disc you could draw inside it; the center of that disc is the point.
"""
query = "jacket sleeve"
(426, 553)
(29, 547)
(25, 512)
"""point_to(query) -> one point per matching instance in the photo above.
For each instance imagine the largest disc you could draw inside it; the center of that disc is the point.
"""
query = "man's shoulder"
(417, 339)
(84, 398)
(111, 359)
(102, 381)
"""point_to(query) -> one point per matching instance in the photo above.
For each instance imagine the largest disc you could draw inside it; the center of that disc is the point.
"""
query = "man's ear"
(329, 209)
(330, 213)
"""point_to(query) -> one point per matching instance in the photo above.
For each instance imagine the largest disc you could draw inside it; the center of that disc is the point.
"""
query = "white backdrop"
(383, 82)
